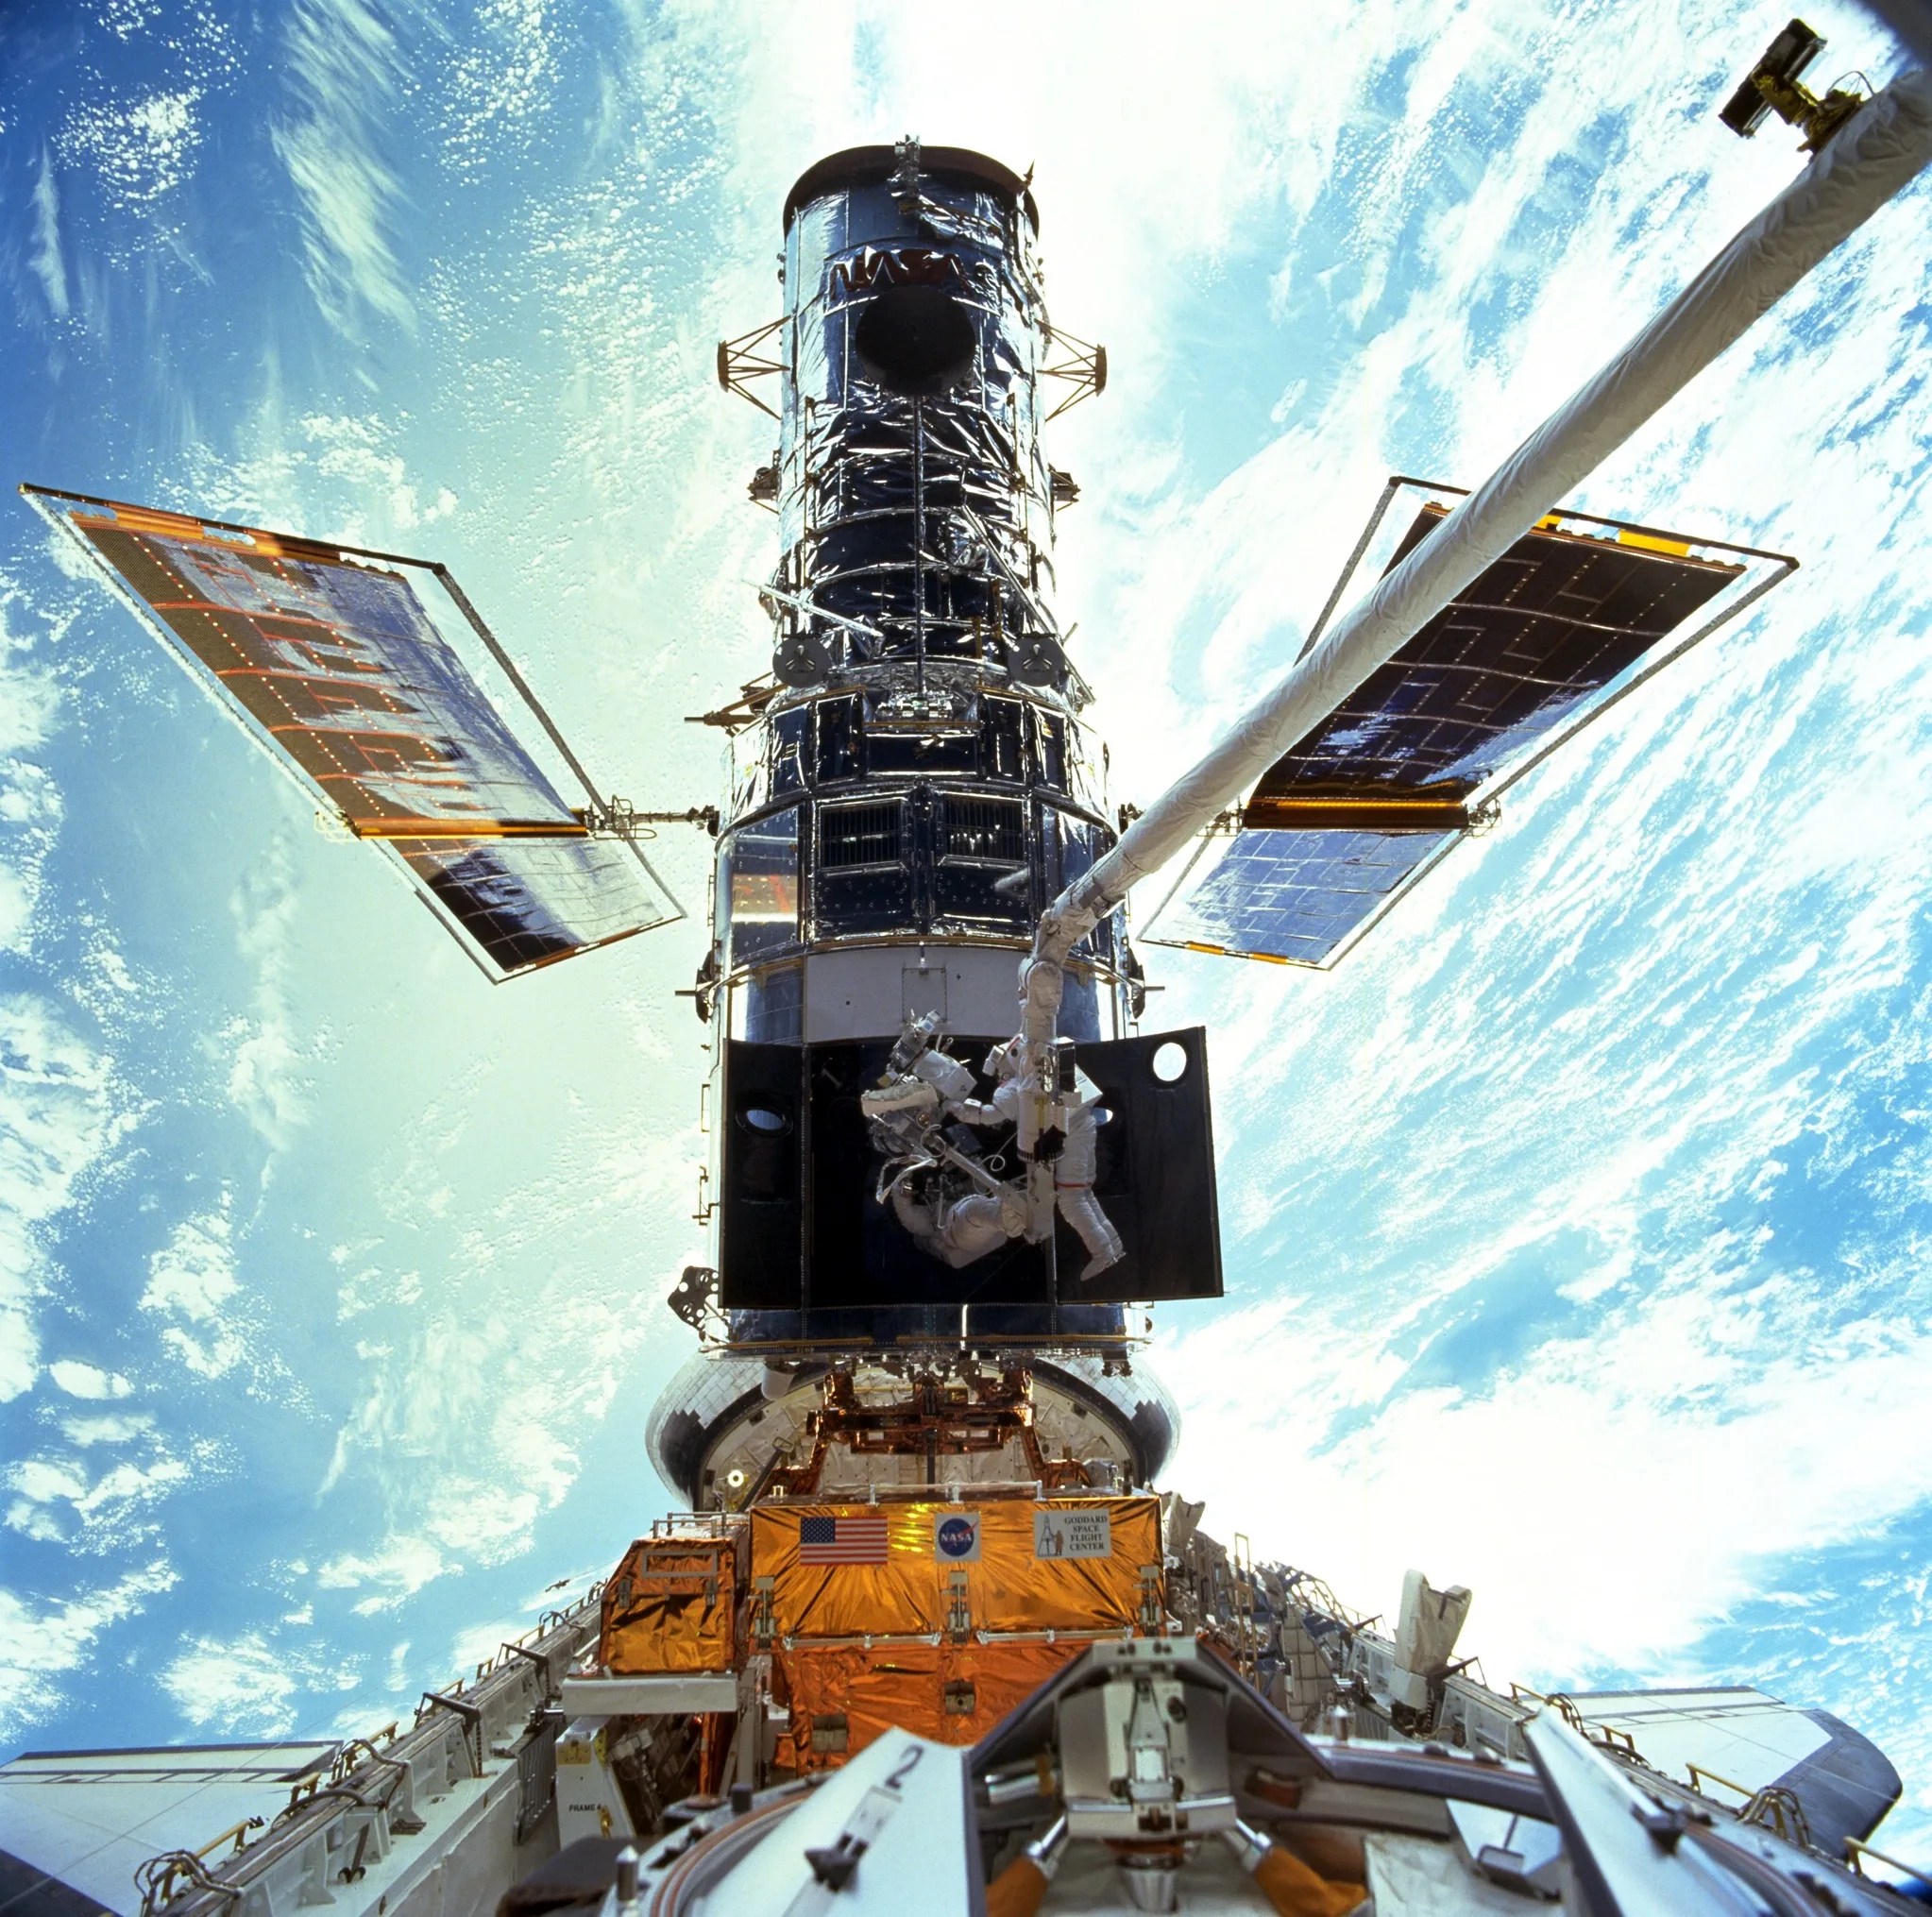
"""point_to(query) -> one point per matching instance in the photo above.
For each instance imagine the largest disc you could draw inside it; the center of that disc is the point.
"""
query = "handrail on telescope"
(1873, 155)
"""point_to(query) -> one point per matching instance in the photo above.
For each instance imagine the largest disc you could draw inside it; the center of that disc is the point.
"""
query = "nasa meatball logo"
(957, 1539)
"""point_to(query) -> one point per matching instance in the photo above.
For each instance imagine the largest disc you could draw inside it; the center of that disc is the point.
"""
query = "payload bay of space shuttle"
(926, 1634)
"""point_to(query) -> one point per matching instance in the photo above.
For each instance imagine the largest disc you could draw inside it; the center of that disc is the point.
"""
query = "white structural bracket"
(1871, 157)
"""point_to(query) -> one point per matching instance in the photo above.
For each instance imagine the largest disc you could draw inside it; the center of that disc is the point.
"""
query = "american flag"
(841, 1540)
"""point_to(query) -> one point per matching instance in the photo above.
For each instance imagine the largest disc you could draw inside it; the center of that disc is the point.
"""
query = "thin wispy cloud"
(45, 260)
(342, 78)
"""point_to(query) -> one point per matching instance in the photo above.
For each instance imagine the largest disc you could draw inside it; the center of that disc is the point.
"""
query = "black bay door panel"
(803, 1229)
(857, 1253)
(1155, 1176)
(761, 1226)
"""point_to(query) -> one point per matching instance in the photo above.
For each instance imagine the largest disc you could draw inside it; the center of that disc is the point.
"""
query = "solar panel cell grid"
(346, 678)
(529, 902)
(1347, 819)
(1546, 627)
(1297, 895)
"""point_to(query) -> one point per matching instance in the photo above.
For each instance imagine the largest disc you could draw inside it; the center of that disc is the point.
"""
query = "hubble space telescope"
(913, 785)
(917, 1449)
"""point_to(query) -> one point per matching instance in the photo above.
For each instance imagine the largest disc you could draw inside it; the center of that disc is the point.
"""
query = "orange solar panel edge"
(464, 828)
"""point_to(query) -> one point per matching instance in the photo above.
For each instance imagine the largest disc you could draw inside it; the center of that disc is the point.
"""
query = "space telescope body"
(925, 1634)
(918, 783)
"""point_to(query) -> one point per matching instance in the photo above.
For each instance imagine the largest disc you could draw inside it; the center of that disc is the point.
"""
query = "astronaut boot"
(1081, 1210)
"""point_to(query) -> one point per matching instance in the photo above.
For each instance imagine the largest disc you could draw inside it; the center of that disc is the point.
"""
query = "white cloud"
(500, 83)
(1548, 1490)
(479, 1644)
(35, 1521)
(359, 452)
(59, 1117)
(194, 1273)
(45, 1479)
(242, 1686)
(30, 803)
(102, 1515)
(62, 1110)
(192, 1280)
(399, 1568)
(472, 1430)
(106, 1428)
(126, 1485)
(141, 151)
(247, 1686)
(343, 77)
(41, 1645)
(45, 259)
(87, 1381)
(266, 1059)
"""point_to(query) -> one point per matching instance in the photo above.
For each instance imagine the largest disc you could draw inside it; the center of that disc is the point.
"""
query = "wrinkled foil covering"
(853, 458)
(672, 1605)
(909, 1595)
(952, 1693)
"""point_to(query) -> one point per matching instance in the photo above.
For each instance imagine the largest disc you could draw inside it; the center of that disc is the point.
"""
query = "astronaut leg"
(973, 1226)
(1081, 1210)
(902, 1094)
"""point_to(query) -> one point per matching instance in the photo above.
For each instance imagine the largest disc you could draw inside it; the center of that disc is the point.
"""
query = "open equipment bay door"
(330, 658)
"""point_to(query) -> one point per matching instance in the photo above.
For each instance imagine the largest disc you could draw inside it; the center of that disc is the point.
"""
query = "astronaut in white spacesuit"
(964, 1230)
(1072, 1170)
(970, 1227)
(958, 1231)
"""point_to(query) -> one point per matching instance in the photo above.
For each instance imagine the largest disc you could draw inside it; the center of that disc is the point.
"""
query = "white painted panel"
(863, 993)
(1739, 1734)
(670, 1695)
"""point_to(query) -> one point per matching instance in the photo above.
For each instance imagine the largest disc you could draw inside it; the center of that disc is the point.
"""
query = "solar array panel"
(527, 902)
(1295, 896)
(1549, 625)
(335, 666)
(1358, 808)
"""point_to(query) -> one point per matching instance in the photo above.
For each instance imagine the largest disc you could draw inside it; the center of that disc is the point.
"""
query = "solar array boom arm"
(1876, 153)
